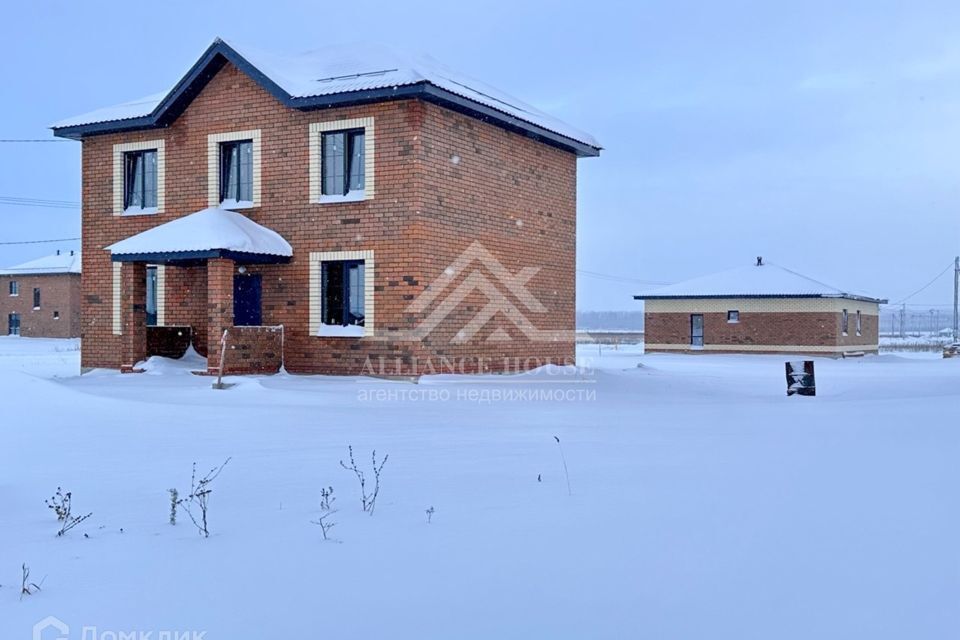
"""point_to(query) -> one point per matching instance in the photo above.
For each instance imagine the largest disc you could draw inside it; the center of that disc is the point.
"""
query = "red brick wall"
(425, 211)
(253, 350)
(763, 328)
(58, 292)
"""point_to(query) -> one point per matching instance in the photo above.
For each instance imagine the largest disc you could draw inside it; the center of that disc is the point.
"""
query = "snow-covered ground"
(705, 503)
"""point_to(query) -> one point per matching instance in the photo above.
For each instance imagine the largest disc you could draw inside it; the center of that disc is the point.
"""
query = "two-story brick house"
(41, 298)
(390, 215)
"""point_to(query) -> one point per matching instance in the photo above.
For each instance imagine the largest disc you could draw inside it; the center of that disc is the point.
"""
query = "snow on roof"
(60, 262)
(765, 280)
(344, 69)
(206, 230)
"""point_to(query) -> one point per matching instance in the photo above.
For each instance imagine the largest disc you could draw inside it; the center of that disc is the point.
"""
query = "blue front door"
(13, 324)
(246, 301)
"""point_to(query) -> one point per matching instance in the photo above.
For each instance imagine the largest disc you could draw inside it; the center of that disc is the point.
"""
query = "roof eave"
(168, 257)
(761, 295)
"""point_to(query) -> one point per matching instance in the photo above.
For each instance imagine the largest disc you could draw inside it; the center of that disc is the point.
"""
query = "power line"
(39, 202)
(939, 275)
(615, 278)
(38, 241)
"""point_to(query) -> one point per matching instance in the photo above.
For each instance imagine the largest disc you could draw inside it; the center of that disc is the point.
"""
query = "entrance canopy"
(211, 233)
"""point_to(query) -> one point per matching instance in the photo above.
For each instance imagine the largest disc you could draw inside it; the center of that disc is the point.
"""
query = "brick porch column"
(219, 307)
(133, 313)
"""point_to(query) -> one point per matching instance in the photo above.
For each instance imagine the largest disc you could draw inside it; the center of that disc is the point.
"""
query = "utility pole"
(903, 311)
(956, 299)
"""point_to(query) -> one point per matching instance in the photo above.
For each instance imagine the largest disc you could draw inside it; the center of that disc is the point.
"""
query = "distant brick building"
(762, 308)
(41, 298)
(425, 217)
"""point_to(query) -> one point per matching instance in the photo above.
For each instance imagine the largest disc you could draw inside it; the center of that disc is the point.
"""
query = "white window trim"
(117, 292)
(161, 297)
(859, 323)
(316, 292)
(213, 166)
(118, 177)
(316, 160)
(17, 287)
(736, 311)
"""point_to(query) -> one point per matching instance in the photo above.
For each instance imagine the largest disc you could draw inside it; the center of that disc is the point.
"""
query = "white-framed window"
(341, 294)
(116, 315)
(844, 322)
(14, 288)
(859, 323)
(233, 169)
(36, 298)
(733, 316)
(139, 176)
(341, 160)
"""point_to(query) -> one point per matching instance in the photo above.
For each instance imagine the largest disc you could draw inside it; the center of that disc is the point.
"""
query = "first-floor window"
(859, 322)
(342, 161)
(844, 322)
(36, 298)
(342, 283)
(14, 288)
(733, 315)
(13, 324)
(151, 296)
(236, 172)
(56, 315)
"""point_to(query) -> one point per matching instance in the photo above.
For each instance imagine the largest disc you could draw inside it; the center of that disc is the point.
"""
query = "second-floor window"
(36, 298)
(14, 288)
(343, 160)
(140, 180)
(236, 172)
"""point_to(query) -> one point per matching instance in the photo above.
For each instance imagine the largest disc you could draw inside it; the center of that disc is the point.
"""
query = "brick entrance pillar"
(133, 313)
(219, 306)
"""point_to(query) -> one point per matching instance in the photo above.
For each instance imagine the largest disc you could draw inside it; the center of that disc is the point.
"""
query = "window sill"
(733, 322)
(140, 211)
(237, 204)
(338, 331)
(352, 196)
(36, 308)
(14, 295)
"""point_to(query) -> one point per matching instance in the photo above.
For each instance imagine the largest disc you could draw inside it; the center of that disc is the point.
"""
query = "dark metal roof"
(219, 53)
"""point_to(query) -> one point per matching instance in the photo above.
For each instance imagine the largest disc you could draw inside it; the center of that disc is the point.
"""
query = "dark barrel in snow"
(800, 379)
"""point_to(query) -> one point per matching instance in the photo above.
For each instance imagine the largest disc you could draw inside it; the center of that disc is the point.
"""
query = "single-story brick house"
(343, 211)
(761, 308)
(41, 298)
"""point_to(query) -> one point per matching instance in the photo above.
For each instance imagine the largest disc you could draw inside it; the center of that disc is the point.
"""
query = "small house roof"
(210, 233)
(763, 280)
(60, 262)
(337, 76)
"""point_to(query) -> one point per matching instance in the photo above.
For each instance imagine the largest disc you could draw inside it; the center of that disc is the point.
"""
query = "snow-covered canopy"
(60, 262)
(203, 234)
(346, 70)
(754, 281)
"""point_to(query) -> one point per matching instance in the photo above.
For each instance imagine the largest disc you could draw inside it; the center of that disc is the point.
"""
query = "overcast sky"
(824, 136)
